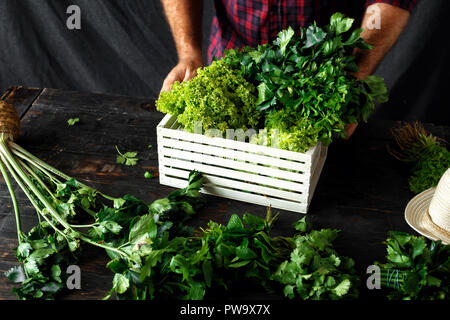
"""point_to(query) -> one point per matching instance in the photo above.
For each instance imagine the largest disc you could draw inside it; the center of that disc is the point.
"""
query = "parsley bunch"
(304, 86)
(178, 267)
(315, 270)
(416, 269)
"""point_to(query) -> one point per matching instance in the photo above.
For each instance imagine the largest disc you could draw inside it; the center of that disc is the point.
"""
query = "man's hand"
(185, 21)
(185, 70)
(393, 21)
(349, 130)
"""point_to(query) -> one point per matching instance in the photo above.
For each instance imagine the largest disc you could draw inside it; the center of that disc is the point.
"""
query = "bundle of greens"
(304, 87)
(425, 153)
(315, 270)
(61, 202)
(415, 269)
(187, 267)
(221, 257)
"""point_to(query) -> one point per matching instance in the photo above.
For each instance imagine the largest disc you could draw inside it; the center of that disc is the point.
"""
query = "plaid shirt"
(239, 23)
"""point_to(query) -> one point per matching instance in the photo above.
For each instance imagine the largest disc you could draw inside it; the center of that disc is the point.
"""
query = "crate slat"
(234, 154)
(234, 174)
(241, 196)
(238, 165)
(238, 145)
(250, 187)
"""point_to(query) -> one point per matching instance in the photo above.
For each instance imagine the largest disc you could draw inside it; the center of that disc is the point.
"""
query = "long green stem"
(83, 225)
(86, 239)
(9, 157)
(37, 178)
(21, 152)
(30, 197)
(14, 201)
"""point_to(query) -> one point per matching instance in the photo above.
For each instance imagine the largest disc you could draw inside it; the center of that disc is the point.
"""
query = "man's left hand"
(350, 129)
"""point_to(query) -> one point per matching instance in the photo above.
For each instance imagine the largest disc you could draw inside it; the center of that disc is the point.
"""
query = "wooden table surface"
(362, 191)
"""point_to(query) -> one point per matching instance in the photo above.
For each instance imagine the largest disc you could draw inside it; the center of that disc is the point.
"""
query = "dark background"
(125, 47)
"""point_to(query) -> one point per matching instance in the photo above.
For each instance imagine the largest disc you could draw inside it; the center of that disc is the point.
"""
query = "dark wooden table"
(362, 190)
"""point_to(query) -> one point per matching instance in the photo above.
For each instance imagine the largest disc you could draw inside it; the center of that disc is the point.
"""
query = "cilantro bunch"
(218, 96)
(426, 155)
(315, 270)
(304, 84)
(416, 269)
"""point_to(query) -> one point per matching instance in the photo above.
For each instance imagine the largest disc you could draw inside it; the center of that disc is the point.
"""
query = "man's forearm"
(185, 20)
(392, 22)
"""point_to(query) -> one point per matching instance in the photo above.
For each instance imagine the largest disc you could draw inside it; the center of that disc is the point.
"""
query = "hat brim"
(415, 216)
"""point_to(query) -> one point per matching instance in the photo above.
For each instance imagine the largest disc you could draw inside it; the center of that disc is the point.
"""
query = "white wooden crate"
(239, 170)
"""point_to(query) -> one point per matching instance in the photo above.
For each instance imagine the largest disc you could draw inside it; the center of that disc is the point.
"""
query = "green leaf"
(73, 121)
(16, 274)
(264, 93)
(130, 154)
(120, 283)
(339, 24)
(378, 90)
(285, 37)
(301, 225)
(131, 162)
(112, 226)
(355, 36)
(342, 288)
(239, 264)
(51, 287)
(56, 272)
(207, 272)
(23, 250)
(118, 203)
(314, 36)
(235, 223)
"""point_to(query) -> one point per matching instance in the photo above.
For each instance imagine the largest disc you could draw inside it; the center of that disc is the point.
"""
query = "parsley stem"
(29, 195)
(36, 177)
(83, 225)
(104, 246)
(31, 158)
(14, 201)
(29, 183)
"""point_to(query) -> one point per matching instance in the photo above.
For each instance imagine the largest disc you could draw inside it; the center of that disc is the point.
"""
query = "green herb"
(149, 146)
(315, 270)
(304, 86)
(425, 153)
(128, 158)
(148, 175)
(416, 269)
(125, 230)
(44, 255)
(187, 267)
(73, 121)
(218, 97)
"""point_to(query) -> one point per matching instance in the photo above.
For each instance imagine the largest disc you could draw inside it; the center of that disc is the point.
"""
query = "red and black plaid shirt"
(239, 23)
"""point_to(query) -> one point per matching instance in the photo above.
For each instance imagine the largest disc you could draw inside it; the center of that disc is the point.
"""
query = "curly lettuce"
(218, 96)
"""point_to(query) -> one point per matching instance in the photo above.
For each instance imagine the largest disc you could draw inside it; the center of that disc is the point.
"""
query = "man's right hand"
(185, 70)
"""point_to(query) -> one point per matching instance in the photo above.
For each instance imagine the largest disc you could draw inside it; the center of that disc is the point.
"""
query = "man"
(238, 23)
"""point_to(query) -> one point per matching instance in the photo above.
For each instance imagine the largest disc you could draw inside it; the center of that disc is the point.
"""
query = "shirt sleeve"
(404, 4)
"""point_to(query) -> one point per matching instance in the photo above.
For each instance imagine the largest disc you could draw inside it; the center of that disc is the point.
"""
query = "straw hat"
(429, 212)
